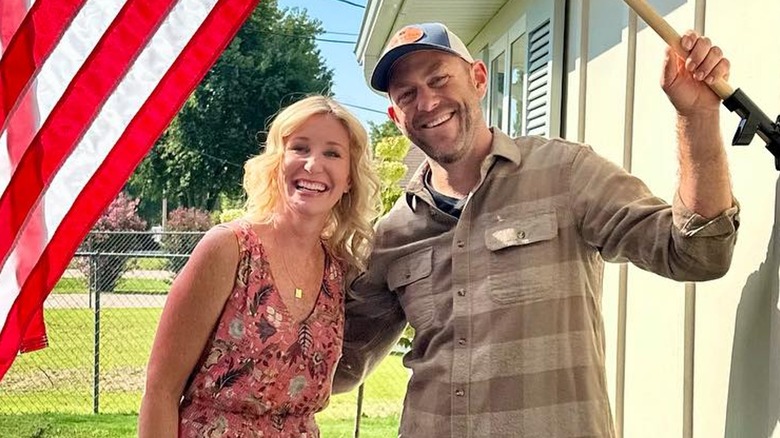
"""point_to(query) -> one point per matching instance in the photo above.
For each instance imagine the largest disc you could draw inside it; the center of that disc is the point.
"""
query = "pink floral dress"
(261, 373)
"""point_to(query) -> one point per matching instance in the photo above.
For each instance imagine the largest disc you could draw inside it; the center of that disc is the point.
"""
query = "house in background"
(413, 159)
(684, 360)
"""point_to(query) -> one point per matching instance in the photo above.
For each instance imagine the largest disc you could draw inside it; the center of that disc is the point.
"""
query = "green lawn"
(59, 379)
(149, 263)
(78, 285)
(124, 426)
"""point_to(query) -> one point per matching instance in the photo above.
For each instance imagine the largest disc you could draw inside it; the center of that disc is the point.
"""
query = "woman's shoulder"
(220, 240)
(243, 230)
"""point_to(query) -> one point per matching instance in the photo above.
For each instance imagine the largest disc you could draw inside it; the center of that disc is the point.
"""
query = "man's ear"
(479, 75)
(391, 114)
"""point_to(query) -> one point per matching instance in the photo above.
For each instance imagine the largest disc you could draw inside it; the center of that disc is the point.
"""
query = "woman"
(252, 329)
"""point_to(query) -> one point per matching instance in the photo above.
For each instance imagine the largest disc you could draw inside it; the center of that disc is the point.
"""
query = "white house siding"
(744, 388)
(611, 99)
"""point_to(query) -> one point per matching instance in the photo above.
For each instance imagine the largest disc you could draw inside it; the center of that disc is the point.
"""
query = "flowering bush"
(121, 215)
(106, 237)
(179, 239)
(188, 219)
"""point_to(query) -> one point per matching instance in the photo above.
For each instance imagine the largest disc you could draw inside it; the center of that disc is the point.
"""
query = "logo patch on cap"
(407, 35)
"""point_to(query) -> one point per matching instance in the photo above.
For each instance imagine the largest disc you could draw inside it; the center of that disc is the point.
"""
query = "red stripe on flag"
(32, 43)
(167, 98)
(71, 117)
(21, 130)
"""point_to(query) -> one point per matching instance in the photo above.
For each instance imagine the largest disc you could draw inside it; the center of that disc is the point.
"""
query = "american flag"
(86, 88)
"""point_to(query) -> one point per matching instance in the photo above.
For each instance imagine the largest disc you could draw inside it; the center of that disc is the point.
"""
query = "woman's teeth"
(311, 185)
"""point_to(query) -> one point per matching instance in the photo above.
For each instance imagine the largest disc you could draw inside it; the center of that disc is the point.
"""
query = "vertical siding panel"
(737, 389)
(628, 144)
(655, 338)
(690, 298)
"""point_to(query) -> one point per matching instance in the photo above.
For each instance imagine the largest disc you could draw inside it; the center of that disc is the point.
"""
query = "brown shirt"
(506, 301)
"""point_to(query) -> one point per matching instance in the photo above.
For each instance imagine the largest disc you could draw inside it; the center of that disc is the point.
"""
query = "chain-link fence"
(101, 319)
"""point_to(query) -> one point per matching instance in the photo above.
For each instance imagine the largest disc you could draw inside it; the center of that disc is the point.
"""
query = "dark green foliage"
(378, 131)
(272, 62)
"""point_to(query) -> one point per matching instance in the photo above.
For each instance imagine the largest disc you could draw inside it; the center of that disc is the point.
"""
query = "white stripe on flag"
(8, 286)
(72, 50)
(5, 162)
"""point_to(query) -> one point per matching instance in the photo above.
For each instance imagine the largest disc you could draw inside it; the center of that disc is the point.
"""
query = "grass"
(70, 426)
(61, 375)
(149, 263)
(124, 426)
(141, 286)
(144, 275)
(59, 378)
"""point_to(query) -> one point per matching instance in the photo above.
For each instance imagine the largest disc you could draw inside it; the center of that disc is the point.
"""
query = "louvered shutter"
(537, 119)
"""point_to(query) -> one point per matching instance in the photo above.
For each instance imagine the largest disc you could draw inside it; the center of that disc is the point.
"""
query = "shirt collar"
(502, 146)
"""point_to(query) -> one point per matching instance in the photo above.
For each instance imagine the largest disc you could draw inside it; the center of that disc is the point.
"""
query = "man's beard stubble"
(462, 144)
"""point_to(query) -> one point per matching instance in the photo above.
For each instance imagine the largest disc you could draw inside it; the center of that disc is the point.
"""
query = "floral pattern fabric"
(263, 374)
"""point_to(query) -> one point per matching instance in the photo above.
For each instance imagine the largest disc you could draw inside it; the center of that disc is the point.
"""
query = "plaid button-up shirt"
(506, 301)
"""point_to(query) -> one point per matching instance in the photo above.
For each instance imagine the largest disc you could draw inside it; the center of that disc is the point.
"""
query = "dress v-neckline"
(285, 308)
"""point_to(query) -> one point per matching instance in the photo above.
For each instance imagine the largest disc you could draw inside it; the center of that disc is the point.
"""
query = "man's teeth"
(438, 121)
(311, 185)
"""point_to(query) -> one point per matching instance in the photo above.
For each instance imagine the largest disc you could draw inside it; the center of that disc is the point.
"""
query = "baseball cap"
(423, 36)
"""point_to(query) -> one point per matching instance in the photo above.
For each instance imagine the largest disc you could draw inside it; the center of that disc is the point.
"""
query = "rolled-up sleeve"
(619, 215)
(709, 242)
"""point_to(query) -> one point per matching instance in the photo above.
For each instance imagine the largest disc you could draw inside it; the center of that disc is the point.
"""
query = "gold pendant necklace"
(298, 291)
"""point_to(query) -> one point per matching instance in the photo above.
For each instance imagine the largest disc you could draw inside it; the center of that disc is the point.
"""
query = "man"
(495, 254)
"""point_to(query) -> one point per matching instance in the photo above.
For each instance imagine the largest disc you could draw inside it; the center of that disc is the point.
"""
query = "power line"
(341, 33)
(334, 41)
(364, 108)
(305, 37)
(353, 4)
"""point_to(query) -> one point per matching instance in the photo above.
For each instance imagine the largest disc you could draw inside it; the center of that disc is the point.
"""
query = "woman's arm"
(194, 304)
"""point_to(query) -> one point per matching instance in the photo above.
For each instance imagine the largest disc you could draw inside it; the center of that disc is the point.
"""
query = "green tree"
(389, 153)
(272, 62)
(378, 131)
(390, 149)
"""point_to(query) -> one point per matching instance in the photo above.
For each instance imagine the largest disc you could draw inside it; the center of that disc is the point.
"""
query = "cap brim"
(380, 77)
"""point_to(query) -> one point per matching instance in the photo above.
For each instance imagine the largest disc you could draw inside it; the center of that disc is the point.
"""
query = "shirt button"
(459, 393)
(461, 244)
(462, 341)
(521, 234)
(461, 292)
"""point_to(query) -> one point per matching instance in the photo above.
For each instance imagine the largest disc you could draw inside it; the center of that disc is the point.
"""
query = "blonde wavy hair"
(348, 232)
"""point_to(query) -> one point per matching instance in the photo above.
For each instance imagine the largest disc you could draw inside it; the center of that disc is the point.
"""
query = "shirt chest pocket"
(523, 258)
(410, 278)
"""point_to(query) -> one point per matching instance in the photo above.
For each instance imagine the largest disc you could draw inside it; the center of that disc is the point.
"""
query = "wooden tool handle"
(662, 28)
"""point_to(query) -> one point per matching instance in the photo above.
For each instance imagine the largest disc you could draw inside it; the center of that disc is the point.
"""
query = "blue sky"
(349, 83)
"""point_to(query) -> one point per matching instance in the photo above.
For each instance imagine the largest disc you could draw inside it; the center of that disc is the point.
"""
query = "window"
(516, 85)
(497, 87)
(507, 80)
